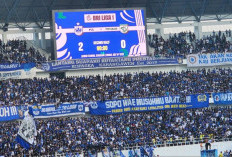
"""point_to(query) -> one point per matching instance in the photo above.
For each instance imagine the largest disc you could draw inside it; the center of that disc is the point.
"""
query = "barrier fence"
(166, 143)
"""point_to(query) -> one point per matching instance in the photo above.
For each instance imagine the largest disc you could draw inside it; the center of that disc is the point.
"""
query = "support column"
(36, 38)
(43, 40)
(159, 32)
(198, 30)
(4, 38)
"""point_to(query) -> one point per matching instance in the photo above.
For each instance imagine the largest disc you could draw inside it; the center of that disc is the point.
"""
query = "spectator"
(221, 155)
(15, 51)
(178, 46)
(70, 135)
(117, 86)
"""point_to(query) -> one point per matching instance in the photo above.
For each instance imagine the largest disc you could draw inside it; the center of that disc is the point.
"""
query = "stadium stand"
(182, 44)
(81, 134)
(79, 108)
(71, 135)
(15, 51)
(177, 45)
(117, 86)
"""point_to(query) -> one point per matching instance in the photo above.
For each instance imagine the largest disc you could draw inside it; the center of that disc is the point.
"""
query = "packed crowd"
(177, 45)
(117, 86)
(185, 43)
(117, 131)
(15, 51)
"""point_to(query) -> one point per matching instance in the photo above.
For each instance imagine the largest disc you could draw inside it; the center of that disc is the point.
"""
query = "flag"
(27, 132)
(121, 154)
(131, 153)
(143, 152)
(106, 152)
(150, 151)
(136, 152)
(147, 151)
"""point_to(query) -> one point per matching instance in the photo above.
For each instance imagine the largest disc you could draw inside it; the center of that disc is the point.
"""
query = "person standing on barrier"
(207, 145)
(210, 141)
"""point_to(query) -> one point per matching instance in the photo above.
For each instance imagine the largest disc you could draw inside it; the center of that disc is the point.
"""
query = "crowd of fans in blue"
(177, 45)
(116, 131)
(15, 51)
(184, 43)
(117, 86)
(71, 135)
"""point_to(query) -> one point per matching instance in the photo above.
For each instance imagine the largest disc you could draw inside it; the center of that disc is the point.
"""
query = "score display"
(99, 33)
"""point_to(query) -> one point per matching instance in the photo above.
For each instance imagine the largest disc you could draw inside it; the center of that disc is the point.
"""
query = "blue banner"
(16, 66)
(46, 111)
(9, 113)
(18, 74)
(209, 59)
(222, 98)
(148, 104)
(106, 63)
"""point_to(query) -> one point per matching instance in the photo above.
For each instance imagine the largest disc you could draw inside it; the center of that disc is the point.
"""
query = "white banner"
(214, 59)
(27, 130)
(18, 74)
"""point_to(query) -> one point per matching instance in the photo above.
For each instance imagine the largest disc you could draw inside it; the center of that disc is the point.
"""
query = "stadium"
(101, 78)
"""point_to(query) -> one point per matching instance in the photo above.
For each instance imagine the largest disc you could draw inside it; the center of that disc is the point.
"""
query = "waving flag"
(150, 151)
(136, 152)
(27, 132)
(106, 152)
(131, 153)
(143, 152)
(121, 154)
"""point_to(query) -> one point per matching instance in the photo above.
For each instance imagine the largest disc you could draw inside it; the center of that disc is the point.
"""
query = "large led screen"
(100, 33)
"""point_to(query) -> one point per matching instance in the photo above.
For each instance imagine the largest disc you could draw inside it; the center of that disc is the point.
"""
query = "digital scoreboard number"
(100, 33)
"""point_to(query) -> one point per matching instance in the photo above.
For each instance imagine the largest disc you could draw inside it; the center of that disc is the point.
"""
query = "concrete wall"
(185, 151)
(110, 71)
(190, 150)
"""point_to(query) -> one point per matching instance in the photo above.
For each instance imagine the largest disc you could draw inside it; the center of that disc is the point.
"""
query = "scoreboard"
(99, 33)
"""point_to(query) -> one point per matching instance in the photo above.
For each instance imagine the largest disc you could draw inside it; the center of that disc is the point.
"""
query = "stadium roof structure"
(22, 13)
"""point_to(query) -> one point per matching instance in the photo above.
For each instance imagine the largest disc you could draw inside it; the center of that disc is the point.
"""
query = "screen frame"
(100, 9)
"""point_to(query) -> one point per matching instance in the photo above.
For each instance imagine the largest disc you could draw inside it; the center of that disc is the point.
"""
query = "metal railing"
(173, 143)
(156, 144)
